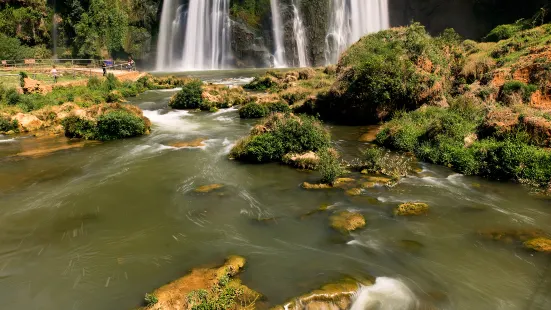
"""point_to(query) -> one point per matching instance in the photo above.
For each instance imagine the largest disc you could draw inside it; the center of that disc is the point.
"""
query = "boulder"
(347, 221)
(28, 122)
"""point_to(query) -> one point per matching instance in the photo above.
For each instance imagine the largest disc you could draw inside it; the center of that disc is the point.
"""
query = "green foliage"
(111, 82)
(190, 97)
(503, 32)
(77, 127)
(329, 166)
(119, 125)
(22, 77)
(7, 125)
(518, 87)
(250, 11)
(94, 83)
(12, 97)
(223, 295)
(288, 134)
(262, 83)
(150, 300)
(253, 110)
(382, 73)
(279, 106)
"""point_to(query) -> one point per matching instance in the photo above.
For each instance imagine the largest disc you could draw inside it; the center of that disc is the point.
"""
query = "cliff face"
(471, 18)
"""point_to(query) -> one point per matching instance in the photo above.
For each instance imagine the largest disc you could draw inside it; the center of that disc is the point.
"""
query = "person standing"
(104, 68)
(54, 74)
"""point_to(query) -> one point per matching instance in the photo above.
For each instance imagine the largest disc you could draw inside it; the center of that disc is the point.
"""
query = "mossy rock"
(354, 192)
(337, 295)
(539, 244)
(307, 185)
(347, 221)
(412, 208)
(511, 235)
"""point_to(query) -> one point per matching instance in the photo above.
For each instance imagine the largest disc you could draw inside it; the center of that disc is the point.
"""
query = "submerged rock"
(208, 188)
(199, 142)
(412, 208)
(322, 208)
(511, 235)
(354, 192)
(347, 221)
(307, 185)
(539, 244)
(332, 296)
(205, 286)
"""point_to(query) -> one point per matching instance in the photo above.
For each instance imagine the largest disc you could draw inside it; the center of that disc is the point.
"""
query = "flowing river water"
(97, 225)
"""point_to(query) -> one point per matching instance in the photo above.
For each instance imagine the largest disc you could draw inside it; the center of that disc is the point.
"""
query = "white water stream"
(277, 29)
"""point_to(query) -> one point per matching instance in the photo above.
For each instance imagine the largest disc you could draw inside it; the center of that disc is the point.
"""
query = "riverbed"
(97, 225)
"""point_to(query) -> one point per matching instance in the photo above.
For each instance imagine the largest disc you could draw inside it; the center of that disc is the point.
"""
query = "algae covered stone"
(217, 287)
(208, 188)
(541, 244)
(412, 208)
(334, 296)
(347, 221)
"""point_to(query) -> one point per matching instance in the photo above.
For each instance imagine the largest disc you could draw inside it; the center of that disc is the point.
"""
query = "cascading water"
(385, 294)
(204, 30)
(350, 20)
(277, 28)
(300, 35)
(207, 35)
(165, 35)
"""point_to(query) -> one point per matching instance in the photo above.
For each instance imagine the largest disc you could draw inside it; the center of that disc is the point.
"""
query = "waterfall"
(300, 35)
(385, 294)
(207, 35)
(350, 20)
(164, 42)
(277, 29)
(204, 30)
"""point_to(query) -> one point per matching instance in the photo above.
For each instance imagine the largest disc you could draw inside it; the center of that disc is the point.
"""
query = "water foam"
(7, 140)
(385, 294)
(171, 121)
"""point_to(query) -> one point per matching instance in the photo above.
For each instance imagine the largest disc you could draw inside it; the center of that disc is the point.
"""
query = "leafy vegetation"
(280, 134)
(222, 295)
(150, 300)
(253, 110)
(189, 97)
(6, 124)
(395, 69)
(329, 166)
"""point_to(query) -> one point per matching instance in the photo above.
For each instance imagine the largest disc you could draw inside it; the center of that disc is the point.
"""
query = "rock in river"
(412, 208)
(347, 221)
(539, 244)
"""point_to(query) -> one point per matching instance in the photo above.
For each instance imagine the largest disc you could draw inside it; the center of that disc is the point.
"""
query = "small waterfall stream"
(300, 35)
(350, 20)
(165, 35)
(277, 29)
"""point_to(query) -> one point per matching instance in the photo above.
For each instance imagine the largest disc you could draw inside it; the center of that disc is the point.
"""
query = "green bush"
(253, 110)
(189, 97)
(279, 107)
(12, 97)
(262, 83)
(94, 83)
(76, 127)
(381, 74)
(287, 134)
(150, 300)
(6, 124)
(22, 76)
(525, 90)
(118, 125)
(503, 32)
(329, 166)
(111, 82)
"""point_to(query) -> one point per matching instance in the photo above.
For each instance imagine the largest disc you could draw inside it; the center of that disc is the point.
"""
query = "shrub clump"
(6, 124)
(253, 110)
(525, 91)
(280, 134)
(395, 69)
(117, 122)
(189, 97)
(329, 166)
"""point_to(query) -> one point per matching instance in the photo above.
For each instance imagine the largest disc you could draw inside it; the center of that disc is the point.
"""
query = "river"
(97, 225)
